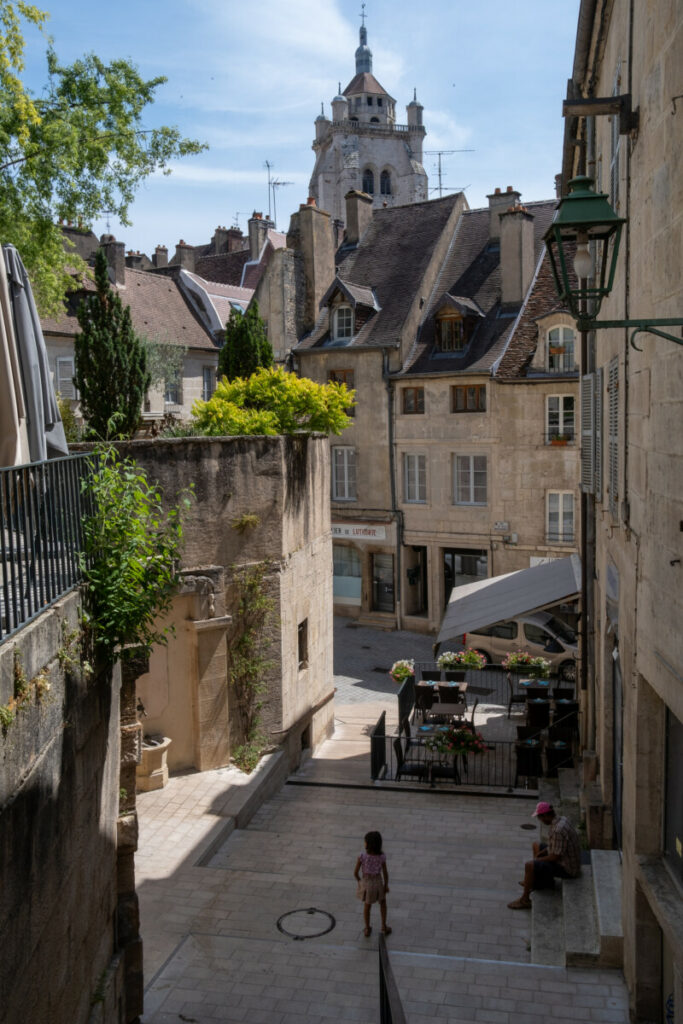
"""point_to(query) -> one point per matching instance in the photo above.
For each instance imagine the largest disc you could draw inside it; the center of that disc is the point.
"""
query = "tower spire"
(363, 53)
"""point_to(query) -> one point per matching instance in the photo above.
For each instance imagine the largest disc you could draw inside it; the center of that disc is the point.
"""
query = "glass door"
(383, 583)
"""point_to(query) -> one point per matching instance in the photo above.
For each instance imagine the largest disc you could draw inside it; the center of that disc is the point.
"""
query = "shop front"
(364, 581)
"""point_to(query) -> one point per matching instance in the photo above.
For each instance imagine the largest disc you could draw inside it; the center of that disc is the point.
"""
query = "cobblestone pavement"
(213, 949)
(363, 657)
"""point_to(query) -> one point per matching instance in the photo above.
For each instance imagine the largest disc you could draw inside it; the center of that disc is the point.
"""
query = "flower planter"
(559, 444)
(152, 772)
(556, 350)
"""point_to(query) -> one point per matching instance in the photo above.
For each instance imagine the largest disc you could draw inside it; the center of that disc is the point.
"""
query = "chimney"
(134, 260)
(184, 255)
(311, 234)
(498, 202)
(558, 186)
(516, 254)
(160, 258)
(219, 242)
(116, 258)
(358, 215)
(235, 239)
(258, 232)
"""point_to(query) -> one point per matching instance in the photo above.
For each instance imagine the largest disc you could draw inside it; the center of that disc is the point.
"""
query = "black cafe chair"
(514, 698)
(528, 762)
(408, 769)
(430, 675)
(424, 698)
(538, 713)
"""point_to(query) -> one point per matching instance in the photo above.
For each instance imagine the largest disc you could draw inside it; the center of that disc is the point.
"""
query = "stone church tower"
(363, 148)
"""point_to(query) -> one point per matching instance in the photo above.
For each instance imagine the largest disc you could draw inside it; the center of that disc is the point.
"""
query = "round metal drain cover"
(528, 825)
(306, 924)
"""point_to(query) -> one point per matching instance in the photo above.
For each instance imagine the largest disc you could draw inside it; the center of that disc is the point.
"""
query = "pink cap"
(542, 808)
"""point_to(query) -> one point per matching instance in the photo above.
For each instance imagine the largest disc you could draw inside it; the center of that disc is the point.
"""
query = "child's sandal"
(368, 932)
(386, 931)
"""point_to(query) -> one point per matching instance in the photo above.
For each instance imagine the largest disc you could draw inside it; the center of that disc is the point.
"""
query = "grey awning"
(504, 597)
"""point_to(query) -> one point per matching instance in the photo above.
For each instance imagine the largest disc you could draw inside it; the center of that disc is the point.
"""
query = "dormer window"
(385, 183)
(368, 182)
(342, 323)
(561, 350)
(450, 333)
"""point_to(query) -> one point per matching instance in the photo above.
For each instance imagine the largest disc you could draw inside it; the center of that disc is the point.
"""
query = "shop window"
(347, 574)
(470, 479)
(468, 398)
(413, 400)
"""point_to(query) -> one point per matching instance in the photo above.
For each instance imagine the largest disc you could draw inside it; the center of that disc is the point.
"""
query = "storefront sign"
(359, 531)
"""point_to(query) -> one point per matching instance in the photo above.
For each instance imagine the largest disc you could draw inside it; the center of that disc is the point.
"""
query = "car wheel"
(568, 671)
(485, 656)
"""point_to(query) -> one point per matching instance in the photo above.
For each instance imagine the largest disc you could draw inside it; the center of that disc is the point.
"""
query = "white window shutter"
(65, 377)
(587, 433)
(613, 457)
(597, 429)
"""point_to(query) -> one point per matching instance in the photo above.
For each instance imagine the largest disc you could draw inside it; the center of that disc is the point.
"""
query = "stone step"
(606, 870)
(581, 937)
(568, 781)
(547, 928)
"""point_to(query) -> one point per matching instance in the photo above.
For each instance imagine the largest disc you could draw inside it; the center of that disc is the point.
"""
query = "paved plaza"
(260, 924)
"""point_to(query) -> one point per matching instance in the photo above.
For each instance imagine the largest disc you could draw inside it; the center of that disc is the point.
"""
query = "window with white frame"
(342, 323)
(173, 391)
(559, 418)
(64, 377)
(343, 473)
(414, 477)
(560, 517)
(470, 479)
(561, 345)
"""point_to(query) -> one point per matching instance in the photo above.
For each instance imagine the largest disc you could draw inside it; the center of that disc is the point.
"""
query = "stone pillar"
(129, 941)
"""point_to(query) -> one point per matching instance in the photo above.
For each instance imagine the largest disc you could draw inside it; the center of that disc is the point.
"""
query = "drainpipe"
(395, 511)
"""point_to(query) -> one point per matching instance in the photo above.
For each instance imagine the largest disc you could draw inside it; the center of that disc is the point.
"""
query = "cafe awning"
(505, 597)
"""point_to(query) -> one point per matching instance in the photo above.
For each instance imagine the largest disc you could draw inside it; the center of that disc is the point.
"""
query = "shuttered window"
(587, 433)
(597, 427)
(613, 439)
(65, 386)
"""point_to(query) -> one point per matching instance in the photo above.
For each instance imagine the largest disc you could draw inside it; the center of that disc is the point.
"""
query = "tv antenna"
(238, 214)
(273, 183)
(439, 153)
(276, 183)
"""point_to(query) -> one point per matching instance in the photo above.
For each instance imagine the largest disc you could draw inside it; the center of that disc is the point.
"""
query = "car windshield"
(564, 631)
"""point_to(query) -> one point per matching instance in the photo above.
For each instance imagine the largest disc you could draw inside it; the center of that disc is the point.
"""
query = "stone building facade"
(461, 460)
(633, 472)
(257, 500)
(363, 148)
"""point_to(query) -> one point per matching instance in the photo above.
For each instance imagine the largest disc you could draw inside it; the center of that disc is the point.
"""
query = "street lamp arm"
(648, 326)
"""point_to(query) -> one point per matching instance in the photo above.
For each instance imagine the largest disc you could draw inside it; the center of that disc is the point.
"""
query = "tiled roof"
(357, 294)
(85, 242)
(225, 267)
(472, 271)
(365, 82)
(391, 259)
(542, 301)
(158, 309)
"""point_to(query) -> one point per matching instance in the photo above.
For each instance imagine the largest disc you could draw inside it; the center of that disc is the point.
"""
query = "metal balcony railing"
(42, 506)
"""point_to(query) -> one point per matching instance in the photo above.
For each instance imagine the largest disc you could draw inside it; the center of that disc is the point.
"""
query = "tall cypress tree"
(246, 345)
(110, 362)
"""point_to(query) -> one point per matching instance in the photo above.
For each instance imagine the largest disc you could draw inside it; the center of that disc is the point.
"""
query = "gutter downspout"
(395, 511)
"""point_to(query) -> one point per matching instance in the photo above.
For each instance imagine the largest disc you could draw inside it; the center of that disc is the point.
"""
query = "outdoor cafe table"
(460, 687)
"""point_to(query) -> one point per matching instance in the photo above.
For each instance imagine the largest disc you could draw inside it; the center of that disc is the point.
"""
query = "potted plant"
(559, 439)
(402, 670)
(522, 663)
(453, 660)
(457, 740)
(556, 350)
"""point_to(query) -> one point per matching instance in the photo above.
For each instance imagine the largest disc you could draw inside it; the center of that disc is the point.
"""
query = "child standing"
(373, 880)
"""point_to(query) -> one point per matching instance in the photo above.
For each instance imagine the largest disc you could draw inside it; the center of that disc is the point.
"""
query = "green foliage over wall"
(246, 345)
(274, 402)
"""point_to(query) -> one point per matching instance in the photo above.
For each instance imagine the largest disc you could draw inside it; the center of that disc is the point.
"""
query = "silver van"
(539, 633)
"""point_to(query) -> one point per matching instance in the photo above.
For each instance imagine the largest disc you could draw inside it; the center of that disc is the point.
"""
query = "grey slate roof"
(391, 259)
(472, 271)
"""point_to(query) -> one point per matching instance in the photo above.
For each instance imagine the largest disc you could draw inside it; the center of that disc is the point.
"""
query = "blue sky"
(248, 78)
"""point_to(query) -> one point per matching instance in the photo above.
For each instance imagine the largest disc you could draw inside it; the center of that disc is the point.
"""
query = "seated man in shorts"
(559, 858)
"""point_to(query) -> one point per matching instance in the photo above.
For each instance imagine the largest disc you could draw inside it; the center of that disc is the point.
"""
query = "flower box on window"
(556, 350)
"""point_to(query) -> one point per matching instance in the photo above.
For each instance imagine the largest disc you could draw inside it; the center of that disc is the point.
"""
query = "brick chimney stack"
(310, 233)
(516, 254)
(498, 202)
(160, 258)
(184, 255)
(358, 215)
(116, 258)
(258, 232)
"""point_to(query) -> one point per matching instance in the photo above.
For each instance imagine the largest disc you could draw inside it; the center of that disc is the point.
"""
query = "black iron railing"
(390, 1006)
(42, 506)
(495, 767)
(378, 757)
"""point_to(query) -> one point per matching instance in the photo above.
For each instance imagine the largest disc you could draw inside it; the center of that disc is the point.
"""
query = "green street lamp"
(586, 227)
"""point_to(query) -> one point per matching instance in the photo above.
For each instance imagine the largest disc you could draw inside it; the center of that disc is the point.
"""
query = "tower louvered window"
(613, 442)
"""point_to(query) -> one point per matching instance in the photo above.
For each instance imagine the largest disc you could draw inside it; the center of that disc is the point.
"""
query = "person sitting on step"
(560, 857)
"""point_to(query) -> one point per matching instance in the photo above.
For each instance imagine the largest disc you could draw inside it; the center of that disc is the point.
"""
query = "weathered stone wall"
(59, 797)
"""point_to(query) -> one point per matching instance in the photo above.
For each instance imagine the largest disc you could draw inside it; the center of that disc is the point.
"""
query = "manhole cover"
(527, 824)
(306, 924)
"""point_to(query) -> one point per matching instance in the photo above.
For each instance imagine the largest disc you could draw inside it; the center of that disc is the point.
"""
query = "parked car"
(539, 633)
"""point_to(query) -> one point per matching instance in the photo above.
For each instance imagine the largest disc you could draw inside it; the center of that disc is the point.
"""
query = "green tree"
(110, 361)
(165, 362)
(273, 401)
(246, 345)
(74, 152)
